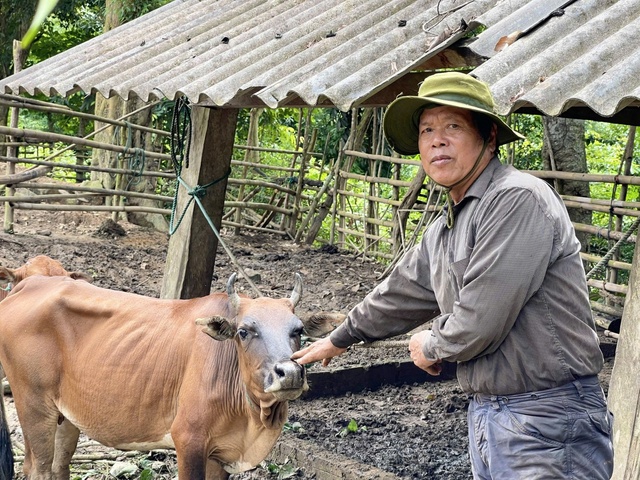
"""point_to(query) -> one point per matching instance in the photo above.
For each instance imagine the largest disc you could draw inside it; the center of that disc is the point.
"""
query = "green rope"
(605, 260)
(180, 145)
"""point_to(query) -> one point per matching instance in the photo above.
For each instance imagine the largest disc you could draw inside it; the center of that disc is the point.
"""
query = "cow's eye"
(243, 334)
(297, 332)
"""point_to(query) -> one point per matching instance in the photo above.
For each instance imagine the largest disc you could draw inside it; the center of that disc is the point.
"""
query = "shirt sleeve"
(403, 301)
(514, 245)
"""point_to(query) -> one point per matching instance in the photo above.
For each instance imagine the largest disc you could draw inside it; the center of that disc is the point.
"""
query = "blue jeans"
(562, 432)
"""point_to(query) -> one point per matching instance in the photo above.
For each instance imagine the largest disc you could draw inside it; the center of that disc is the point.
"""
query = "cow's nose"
(286, 375)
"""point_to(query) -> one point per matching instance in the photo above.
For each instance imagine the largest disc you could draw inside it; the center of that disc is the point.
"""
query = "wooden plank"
(192, 248)
(624, 389)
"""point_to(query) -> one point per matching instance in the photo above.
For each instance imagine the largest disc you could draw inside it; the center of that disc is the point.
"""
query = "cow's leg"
(66, 442)
(39, 425)
(215, 471)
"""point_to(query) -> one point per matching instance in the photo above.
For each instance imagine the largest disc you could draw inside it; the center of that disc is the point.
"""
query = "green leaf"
(45, 7)
(353, 426)
(146, 474)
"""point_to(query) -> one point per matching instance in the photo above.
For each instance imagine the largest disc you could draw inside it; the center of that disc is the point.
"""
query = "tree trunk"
(564, 150)
(115, 107)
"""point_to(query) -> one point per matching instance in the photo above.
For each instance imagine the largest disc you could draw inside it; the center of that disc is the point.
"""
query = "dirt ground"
(416, 430)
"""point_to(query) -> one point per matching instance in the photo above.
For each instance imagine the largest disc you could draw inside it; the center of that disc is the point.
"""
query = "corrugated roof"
(234, 52)
(572, 56)
(585, 58)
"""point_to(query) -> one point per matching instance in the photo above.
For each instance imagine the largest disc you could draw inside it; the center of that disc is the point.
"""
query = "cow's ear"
(321, 323)
(217, 327)
(6, 276)
(81, 276)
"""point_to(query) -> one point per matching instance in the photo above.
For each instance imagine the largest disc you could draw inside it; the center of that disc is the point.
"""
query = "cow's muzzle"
(286, 380)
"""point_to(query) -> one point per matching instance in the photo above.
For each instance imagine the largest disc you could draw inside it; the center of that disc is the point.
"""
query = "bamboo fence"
(368, 212)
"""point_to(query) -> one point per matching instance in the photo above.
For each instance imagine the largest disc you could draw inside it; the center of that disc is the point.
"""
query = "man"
(500, 275)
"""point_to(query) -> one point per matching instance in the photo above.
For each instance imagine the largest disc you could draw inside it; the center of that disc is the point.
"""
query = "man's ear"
(217, 327)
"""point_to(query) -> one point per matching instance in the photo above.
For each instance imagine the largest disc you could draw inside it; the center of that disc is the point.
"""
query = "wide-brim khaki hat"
(454, 89)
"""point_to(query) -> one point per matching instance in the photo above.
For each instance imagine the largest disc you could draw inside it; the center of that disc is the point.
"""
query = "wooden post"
(624, 389)
(192, 248)
(19, 57)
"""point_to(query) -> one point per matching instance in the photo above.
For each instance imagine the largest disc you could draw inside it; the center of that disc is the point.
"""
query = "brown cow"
(9, 278)
(39, 265)
(138, 373)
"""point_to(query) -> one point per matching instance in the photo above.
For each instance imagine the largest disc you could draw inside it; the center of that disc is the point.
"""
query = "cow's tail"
(6, 452)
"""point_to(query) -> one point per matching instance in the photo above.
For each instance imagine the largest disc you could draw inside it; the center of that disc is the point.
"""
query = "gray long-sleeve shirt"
(505, 286)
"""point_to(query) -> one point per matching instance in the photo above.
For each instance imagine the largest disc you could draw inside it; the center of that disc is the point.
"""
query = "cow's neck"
(270, 413)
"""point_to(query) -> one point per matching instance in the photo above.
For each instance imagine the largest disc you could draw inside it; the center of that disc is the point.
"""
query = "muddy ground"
(417, 430)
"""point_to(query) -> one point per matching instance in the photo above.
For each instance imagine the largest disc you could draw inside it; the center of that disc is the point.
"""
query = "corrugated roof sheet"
(571, 55)
(223, 52)
(585, 56)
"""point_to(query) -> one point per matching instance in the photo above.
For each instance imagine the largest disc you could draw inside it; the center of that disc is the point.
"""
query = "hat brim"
(401, 122)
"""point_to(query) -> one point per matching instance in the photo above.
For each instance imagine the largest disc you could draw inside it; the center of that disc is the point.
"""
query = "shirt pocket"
(457, 271)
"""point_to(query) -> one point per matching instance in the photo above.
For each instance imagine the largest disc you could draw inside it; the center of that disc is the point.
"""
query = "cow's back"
(100, 352)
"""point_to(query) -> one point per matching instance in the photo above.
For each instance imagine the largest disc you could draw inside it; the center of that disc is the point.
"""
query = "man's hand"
(432, 367)
(321, 349)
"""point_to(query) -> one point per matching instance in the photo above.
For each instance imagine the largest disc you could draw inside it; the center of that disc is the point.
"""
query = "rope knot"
(198, 191)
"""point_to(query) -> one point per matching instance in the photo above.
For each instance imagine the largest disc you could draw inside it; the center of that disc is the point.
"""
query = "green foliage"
(281, 471)
(351, 428)
(133, 9)
(528, 152)
(68, 26)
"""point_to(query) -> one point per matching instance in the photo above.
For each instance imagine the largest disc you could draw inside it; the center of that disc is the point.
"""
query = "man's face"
(449, 145)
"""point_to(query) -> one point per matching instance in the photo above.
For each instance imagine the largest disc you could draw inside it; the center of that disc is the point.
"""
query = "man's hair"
(483, 124)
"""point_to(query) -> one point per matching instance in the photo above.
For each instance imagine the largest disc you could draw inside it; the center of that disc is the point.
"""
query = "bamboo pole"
(276, 150)
(599, 307)
(102, 191)
(72, 113)
(72, 166)
(90, 208)
(370, 179)
(608, 286)
(307, 147)
(627, 158)
(602, 232)
(262, 166)
(371, 220)
(49, 197)
(57, 137)
(18, 59)
(602, 208)
(226, 223)
(385, 158)
(612, 263)
(598, 201)
(585, 177)
(314, 206)
(366, 196)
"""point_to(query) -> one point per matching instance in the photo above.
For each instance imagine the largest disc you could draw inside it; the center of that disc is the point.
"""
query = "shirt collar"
(477, 188)
(480, 186)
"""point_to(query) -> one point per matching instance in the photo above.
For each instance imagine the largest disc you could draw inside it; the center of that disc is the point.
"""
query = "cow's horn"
(297, 290)
(234, 298)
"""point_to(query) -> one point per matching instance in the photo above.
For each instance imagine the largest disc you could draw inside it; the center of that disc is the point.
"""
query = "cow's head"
(39, 265)
(267, 332)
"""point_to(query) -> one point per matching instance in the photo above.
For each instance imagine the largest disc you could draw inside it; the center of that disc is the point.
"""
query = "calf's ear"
(81, 276)
(217, 327)
(321, 323)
